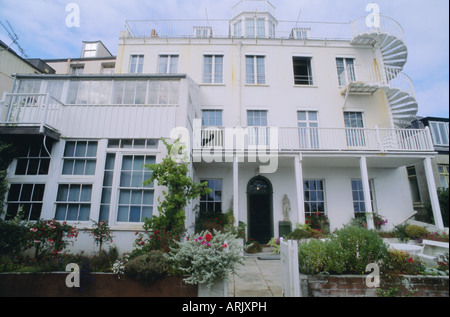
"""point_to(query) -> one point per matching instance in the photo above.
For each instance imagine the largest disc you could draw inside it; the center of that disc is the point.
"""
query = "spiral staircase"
(399, 88)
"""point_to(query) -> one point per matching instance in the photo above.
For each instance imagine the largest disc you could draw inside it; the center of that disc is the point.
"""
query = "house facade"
(440, 163)
(282, 119)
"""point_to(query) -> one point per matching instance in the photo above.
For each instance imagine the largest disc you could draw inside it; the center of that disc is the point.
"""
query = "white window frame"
(204, 198)
(310, 70)
(361, 191)
(136, 68)
(439, 133)
(345, 65)
(77, 202)
(355, 136)
(119, 154)
(212, 77)
(253, 76)
(309, 213)
(166, 64)
(20, 201)
(308, 130)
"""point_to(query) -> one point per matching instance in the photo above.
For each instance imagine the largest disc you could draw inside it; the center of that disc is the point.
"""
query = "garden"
(349, 250)
(161, 249)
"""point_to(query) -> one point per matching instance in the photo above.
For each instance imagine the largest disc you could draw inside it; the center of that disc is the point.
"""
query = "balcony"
(30, 114)
(24, 113)
(314, 139)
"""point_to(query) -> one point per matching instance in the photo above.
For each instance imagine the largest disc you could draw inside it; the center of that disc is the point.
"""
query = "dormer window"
(203, 31)
(300, 33)
(90, 50)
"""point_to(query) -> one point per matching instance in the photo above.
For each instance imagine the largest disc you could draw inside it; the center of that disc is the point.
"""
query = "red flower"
(208, 237)
(224, 245)
(410, 260)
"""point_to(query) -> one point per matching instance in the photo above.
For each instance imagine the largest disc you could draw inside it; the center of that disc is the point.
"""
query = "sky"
(42, 31)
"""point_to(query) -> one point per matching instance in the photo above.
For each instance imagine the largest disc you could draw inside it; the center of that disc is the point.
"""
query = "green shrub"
(416, 232)
(148, 267)
(348, 251)
(351, 249)
(12, 237)
(312, 257)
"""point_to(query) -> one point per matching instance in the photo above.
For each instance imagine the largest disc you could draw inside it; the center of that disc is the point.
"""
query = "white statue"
(286, 207)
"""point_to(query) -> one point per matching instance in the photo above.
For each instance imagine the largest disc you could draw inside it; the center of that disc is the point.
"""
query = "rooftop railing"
(221, 28)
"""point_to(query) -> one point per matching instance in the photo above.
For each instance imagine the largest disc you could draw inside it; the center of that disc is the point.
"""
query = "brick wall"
(355, 286)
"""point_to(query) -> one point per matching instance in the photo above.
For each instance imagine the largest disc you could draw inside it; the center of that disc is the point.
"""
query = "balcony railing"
(315, 139)
(377, 76)
(22, 109)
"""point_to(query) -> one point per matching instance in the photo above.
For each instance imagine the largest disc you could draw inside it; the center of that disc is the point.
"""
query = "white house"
(268, 108)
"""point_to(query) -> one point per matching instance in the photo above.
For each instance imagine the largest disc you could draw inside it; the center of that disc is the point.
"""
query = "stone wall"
(95, 285)
(355, 286)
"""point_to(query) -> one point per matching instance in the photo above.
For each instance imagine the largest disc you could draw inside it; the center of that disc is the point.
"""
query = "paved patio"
(259, 277)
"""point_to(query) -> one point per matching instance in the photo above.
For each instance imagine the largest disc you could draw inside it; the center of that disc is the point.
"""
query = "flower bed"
(95, 285)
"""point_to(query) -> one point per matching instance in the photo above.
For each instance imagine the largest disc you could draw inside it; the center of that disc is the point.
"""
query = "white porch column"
(235, 190)
(366, 188)
(298, 169)
(433, 194)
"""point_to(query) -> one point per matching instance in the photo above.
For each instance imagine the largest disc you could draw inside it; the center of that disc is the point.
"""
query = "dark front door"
(259, 196)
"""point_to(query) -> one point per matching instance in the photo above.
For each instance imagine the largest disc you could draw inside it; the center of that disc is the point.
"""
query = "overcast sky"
(42, 31)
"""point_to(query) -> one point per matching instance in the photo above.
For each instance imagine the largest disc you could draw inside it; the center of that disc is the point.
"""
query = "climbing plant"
(7, 154)
(180, 188)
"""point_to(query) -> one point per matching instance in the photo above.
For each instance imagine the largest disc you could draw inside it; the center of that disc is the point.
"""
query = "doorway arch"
(260, 209)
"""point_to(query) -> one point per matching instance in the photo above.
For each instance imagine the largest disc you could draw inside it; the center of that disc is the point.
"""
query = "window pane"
(148, 197)
(124, 197)
(79, 167)
(250, 70)
(125, 179)
(72, 212)
(136, 197)
(147, 212)
(86, 193)
(173, 64)
(127, 163)
(135, 214)
(218, 70)
(163, 60)
(60, 212)
(74, 193)
(90, 167)
(122, 214)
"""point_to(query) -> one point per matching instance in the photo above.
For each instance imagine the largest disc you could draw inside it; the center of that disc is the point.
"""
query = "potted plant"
(207, 259)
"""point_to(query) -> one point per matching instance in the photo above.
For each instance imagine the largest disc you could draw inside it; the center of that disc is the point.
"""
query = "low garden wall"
(355, 286)
(93, 285)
